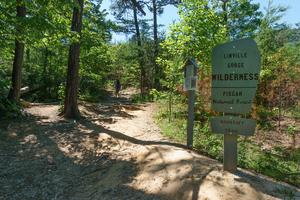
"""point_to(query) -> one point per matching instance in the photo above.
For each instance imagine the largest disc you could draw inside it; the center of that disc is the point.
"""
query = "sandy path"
(177, 173)
(116, 152)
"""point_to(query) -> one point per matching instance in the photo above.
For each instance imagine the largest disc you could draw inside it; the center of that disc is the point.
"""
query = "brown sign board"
(235, 74)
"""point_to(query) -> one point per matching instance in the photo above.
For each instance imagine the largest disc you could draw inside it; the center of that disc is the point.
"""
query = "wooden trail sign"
(233, 125)
(190, 85)
(235, 74)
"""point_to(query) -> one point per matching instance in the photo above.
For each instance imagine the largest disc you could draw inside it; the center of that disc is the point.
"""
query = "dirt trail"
(116, 152)
(177, 173)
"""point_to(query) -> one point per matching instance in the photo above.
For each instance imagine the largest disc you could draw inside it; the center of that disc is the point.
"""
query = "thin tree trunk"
(170, 105)
(140, 53)
(14, 93)
(70, 105)
(225, 17)
(155, 40)
(45, 73)
(27, 55)
(50, 86)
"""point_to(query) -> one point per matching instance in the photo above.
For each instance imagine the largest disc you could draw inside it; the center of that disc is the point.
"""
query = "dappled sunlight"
(86, 117)
(128, 159)
(172, 172)
(66, 161)
(106, 113)
(49, 113)
(31, 139)
(222, 185)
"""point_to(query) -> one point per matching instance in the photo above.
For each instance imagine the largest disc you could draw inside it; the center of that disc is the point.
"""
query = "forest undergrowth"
(273, 151)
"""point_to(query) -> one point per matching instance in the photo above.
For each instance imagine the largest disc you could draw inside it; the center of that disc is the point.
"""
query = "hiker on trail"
(117, 87)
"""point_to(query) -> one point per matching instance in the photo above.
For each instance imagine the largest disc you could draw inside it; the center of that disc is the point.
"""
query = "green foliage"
(280, 77)
(176, 129)
(197, 32)
(94, 69)
(205, 141)
(61, 92)
(153, 95)
(47, 42)
(173, 70)
(276, 163)
(47, 38)
(138, 98)
(124, 64)
(291, 129)
(267, 34)
(243, 17)
(95, 96)
(156, 95)
(4, 84)
(295, 112)
(279, 46)
(8, 109)
(264, 117)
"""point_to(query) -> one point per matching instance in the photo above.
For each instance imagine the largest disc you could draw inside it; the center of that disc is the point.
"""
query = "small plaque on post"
(190, 76)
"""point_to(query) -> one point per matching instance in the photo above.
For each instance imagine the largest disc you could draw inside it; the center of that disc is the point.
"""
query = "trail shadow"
(69, 160)
(197, 183)
(113, 108)
(105, 111)
(181, 173)
(62, 161)
(196, 177)
(115, 134)
(200, 169)
(120, 100)
(265, 185)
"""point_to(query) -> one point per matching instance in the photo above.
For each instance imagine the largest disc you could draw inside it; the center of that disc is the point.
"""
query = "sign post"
(230, 152)
(190, 85)
(235, 73)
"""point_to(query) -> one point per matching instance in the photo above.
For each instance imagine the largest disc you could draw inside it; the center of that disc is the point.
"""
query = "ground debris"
(47, 157)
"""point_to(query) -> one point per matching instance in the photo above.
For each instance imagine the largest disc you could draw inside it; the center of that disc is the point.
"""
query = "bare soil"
(115, 151)
(278, 136)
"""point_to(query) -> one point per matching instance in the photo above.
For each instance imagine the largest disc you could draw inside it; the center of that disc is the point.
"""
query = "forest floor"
(115, 151)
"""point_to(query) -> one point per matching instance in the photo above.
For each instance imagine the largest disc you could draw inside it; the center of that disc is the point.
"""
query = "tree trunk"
(14, 93)
(27, 55)
(140, 52)
(45, 73)
(155, 40)
(225, 17)
(70, 105)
